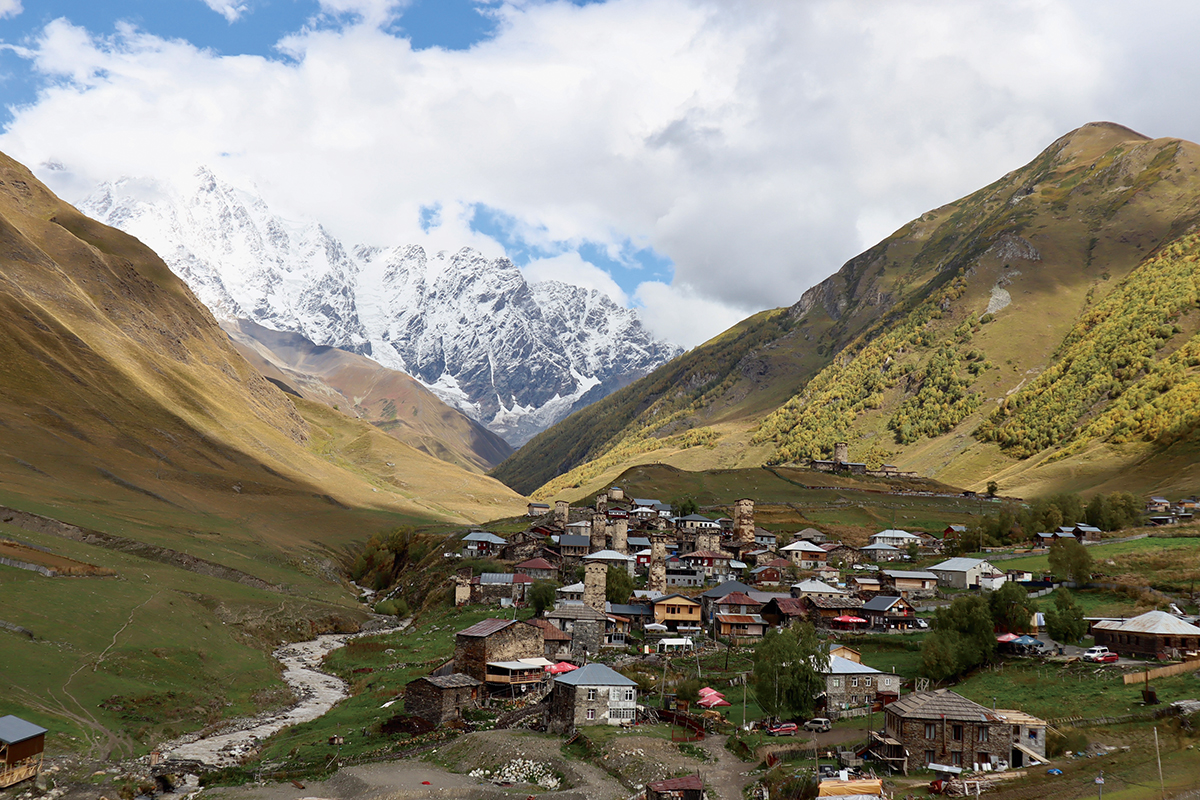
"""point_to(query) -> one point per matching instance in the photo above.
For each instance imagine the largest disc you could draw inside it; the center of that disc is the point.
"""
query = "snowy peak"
(516, 357)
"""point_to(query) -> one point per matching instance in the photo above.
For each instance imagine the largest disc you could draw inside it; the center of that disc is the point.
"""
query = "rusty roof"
(676, 784)
(738, 599)
(535, 563)
(487, 627)
(1155, 623)
(549, 632)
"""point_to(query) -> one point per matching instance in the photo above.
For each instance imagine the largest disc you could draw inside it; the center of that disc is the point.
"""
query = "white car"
(1095, 653)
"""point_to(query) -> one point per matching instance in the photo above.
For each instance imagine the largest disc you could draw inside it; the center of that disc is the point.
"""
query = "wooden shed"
(689, 787)
(21, 746)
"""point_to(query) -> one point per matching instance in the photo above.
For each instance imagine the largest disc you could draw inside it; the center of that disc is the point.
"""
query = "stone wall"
(519, 640)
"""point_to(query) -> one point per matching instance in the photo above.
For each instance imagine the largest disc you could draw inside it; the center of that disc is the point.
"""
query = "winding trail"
(317, 692)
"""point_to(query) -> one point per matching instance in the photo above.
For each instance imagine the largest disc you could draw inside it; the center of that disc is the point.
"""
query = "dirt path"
(317, 692)
(730, 775)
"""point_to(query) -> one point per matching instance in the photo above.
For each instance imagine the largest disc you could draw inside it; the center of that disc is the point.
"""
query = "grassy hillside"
(392, 401)
(912, 346)
(224, 507)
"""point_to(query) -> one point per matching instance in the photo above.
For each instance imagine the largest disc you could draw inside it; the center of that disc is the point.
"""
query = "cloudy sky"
(700, 159)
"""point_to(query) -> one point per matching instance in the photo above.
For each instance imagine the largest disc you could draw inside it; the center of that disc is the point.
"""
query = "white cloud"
(571, 268)
(681, 315)
(231, 11)
(757, 144)
(10, 8)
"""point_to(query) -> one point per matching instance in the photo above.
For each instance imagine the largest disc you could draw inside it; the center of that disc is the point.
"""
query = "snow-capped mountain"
(515, 356)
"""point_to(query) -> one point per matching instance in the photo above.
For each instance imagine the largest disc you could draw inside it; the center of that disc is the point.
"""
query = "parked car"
(818, 724)
(1096, 653)
(783, 729)
(1106, 658)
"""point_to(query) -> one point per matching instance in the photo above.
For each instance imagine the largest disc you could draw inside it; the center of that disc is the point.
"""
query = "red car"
(1107, 658)
(783, 729)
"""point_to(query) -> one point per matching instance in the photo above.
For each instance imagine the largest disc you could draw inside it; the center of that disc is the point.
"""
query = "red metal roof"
(738, 599)
(676, 784)
(549, 632)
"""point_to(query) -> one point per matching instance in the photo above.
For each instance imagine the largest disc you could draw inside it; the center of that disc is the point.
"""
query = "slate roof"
(487, 627)
(938, 703)
(455, 681)
(576, 612)
(574, 541)
(594, 675)
(833, 603)
(725, 588)
(535, 563)
(630, 609)
(14, 729)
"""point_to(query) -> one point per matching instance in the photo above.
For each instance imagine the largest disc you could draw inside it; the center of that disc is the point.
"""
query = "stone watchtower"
(602, 503)
(841, 453)
(743, 522)
(657, 579)
(562, 514)
(620, 536)
(595, 584)
(708, 539)
(599, 540)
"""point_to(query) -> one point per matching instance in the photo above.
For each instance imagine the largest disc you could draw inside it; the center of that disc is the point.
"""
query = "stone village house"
(495, 640)
(439, 699)
(591, 695)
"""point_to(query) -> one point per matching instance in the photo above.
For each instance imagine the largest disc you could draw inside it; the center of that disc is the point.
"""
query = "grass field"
(1166, 564)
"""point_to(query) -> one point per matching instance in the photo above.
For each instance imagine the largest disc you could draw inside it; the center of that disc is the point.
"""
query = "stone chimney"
(599, 540)
(743, 522)
(841, 453)
(562, 514)
(657, 580)
(595, 583)
(620, 536)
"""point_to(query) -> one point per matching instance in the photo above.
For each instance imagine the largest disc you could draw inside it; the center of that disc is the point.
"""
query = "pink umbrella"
(1007, 637)
(712, 701)
(708, 690)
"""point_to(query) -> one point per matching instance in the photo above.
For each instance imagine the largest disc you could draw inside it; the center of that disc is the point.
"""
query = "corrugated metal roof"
(881, 603)
(725, 588)
(844, 666)
(741, 619)
(816, 586)
(914, 574)
(1156, 622)
(594, 675)
(483, 536)
(960, 564)
(487, 627)
(14, 729)
(737, 599)
(535, 563)
(607, 555)
(570, 540)
(802, 546)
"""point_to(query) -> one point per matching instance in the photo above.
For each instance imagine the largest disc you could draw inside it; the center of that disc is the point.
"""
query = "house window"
(854, 682)
(1032, 735)
(591, 713)
(956, 759)
(982, 733)
(928, 757)
(868, 681)
(887, 681)
(837, 683)
(930, 730)
(957, 731)
(983, 758)
(591, 694)
(629, 694)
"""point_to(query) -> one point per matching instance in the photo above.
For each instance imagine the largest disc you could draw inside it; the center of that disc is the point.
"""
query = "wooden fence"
(1162, 672)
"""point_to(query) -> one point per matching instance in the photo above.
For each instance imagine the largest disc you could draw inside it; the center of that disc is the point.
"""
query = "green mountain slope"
(392, 401)
(908, 348)
(148, 447)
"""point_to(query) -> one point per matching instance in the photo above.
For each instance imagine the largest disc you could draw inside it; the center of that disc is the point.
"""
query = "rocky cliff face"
(517, 357)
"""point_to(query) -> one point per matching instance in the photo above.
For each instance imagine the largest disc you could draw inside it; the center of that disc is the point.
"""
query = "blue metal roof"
(14, 729)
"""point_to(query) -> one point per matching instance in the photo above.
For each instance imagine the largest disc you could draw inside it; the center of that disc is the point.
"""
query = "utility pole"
(1158, 756)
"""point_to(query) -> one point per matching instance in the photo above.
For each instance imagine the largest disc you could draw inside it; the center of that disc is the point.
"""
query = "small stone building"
(946, 728)
(495, 640)
(1150, 634)
(586, 626)
(689, 787)
(558, 642)
(851, 684)
(499, 588)
(440, 699)
(591, 695)
(538, 568)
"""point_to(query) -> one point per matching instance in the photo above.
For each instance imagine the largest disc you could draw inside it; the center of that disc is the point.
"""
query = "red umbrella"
(561, 667)
(708, 690)
(1007, 637)
(848, 618)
